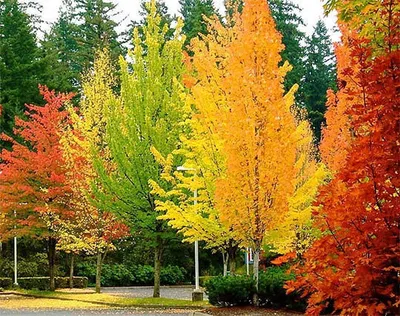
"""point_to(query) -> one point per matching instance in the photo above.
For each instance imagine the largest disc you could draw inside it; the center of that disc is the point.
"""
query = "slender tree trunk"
(52, 262)
(157, 267)
(71, 272)
(98, 272)
(232, 262)
(256, 258)
(225, 259)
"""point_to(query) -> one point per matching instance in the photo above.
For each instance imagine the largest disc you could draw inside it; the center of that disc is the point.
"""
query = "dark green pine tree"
(288, 22)
(83, 27)
(59, 49)
(193, 12)
(162, 11)
(97, 21)
(320, 75)
(19, 63)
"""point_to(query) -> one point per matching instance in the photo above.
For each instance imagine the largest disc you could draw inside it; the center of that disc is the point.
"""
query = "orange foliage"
(356, 262)
(33, 174)
(237, 90)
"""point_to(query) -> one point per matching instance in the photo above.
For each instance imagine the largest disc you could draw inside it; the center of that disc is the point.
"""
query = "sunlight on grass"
(94, 298)
(32, 303)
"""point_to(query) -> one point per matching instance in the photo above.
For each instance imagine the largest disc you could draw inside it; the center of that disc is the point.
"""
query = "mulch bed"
(248, 310)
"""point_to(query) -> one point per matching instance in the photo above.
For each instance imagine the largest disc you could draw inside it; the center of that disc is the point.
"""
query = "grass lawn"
(47, 299)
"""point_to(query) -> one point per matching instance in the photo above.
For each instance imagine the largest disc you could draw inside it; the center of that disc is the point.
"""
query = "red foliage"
(33, 175)
(356, 262)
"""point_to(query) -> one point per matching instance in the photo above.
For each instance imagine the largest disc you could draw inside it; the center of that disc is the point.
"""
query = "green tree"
(193, 12)
(320, 75)
(148, 114)
(59, 49)
(83, 27)
(19, 63)
(288, 20)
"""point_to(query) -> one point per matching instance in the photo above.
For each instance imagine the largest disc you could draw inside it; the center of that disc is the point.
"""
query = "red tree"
(356, 262)
(34, 193)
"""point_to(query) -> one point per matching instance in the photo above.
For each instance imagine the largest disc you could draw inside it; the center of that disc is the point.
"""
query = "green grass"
(112, 300)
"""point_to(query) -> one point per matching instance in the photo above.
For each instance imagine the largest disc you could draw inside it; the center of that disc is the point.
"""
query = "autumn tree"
(355, 263)
(94, 228)
(33, 181)
(147, 114)
(188, 203)
(259, 132)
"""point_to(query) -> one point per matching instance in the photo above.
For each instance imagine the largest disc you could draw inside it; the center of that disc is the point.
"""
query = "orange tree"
(33, 183)
(238, 94)
(356, 262)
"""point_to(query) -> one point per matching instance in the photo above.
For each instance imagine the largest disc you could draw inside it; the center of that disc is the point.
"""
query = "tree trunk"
(232, 263)
(232, 251)
(225, 259)
(157, 267)
(52, 262)
(256, 258)
(71, 272)
(98, 272)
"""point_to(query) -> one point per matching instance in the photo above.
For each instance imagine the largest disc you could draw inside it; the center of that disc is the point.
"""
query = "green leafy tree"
(193, 12)
(320, 75)
(148, 114)
(19, 63)
(288, 20)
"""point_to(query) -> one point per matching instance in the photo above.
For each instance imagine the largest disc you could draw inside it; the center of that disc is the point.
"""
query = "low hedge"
(239, 290)
(5, 283)
(122, 275)
(230, 290)
(43, 283)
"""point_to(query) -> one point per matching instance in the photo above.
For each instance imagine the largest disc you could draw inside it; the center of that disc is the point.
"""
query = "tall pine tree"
(320, 75)
(19, 64)
(193, 12)
(83, 27)
(288, 21)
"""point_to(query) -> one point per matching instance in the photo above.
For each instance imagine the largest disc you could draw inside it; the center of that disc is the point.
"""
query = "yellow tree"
(237, 90)
(94, 228)
(195, 217)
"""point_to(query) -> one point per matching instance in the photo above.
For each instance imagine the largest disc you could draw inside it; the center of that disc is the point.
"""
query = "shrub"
(171, 275)
(122, 275)
(143, 275)
(239, 290)
(43, 283)
(270, 289)
(116, 275)
(230, 290)
(5, 283)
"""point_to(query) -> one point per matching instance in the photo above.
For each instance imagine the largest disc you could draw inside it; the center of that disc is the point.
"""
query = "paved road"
(176, 292)
(55, 312)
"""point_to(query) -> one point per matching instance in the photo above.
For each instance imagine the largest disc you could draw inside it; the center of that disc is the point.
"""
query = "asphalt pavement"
(175, 292)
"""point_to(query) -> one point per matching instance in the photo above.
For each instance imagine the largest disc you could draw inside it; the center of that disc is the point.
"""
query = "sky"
(312, 11)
